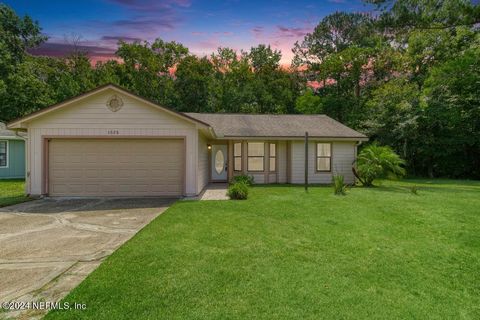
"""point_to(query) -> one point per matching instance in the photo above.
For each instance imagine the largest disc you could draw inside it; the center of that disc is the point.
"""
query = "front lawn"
(380, 253)
(12, 192)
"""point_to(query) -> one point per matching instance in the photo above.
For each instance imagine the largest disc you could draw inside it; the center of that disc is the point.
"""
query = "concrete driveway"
(47, 247)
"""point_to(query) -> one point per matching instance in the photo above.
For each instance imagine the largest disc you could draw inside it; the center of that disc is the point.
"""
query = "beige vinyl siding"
(91, 117)
(258, 177)
(282, 161)
(202, 170)
(343, 155)
(272, 178)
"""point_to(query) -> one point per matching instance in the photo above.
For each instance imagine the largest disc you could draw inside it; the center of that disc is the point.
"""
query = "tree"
(193, 85)
(394, 109)
(157, 57)
(308, 103)
(451, 121)
(405, 15)
(333, 34)
(16, 36)
(427, 48)
(151, 64)
(375, 162)
(28, 89)
(263, 59)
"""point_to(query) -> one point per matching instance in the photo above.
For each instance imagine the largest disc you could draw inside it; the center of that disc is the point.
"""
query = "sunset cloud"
(257, 31)
(292, 32)
(120, 38)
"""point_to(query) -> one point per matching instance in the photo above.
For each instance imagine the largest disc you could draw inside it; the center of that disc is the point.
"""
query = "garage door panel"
(108, 167)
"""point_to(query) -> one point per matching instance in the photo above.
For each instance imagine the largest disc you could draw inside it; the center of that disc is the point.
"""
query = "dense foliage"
(408, 76)
(376, 162)
(248, 180)
(238, 191)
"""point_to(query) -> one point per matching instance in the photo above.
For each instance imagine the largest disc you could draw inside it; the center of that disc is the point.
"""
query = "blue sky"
(200, 25)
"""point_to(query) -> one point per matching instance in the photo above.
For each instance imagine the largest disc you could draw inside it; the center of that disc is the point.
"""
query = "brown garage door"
(111, 167)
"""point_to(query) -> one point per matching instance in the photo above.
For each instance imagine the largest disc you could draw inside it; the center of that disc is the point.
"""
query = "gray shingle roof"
(268, 125)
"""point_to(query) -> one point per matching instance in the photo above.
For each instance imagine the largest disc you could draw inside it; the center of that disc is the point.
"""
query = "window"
(256, 153)
(324, 157)
(273, 157)
(3, 154)
(237, 156)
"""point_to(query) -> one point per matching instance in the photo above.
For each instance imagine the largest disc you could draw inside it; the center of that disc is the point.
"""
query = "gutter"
(15, 137)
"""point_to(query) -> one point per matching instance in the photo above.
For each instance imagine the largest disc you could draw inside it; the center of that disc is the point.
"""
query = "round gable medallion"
(115, 103)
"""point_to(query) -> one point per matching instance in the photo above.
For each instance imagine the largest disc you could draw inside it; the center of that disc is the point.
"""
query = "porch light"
(209, 146)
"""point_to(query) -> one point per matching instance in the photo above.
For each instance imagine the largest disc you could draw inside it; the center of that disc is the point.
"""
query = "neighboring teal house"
(12, 154)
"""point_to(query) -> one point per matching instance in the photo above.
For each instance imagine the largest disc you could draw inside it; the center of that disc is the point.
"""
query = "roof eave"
(329, 138)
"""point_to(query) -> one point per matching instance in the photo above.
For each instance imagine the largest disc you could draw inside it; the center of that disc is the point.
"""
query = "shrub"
(376, 162)
(238, 191)
(339, 186)
(248, 180)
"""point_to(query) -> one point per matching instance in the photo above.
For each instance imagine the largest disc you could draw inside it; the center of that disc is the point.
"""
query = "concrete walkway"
(215, 191)
(47, 247)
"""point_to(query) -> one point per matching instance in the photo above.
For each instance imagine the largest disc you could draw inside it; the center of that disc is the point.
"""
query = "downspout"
(27, 173)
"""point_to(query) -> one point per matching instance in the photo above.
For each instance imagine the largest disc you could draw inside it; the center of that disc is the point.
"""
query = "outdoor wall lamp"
(209, 146)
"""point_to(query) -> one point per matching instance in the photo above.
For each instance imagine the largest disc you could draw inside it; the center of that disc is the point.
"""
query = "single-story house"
(12, 154)
(111, 142)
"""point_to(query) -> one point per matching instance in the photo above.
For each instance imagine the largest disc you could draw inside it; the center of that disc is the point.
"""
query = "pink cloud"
(224, 33)
(292, 32)
(257, 31)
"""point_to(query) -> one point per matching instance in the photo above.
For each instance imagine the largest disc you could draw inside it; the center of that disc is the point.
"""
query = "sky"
(202, 26)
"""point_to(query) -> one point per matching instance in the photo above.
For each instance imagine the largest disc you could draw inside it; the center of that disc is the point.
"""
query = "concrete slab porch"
(215, 191)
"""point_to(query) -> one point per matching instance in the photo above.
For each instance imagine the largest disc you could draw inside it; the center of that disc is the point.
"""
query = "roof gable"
(20, 123)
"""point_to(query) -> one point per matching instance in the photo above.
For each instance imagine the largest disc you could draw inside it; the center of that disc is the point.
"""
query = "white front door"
(219, 162)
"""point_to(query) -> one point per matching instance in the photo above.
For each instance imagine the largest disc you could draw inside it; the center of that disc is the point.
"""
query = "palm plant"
(376, 162)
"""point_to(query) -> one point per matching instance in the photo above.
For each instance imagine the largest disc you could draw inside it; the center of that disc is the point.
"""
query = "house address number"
(113, 132)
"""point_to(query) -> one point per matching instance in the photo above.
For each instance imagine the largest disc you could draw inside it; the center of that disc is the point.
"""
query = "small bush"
(339, 186)
(376, 162)
(414, 190)
(238, 191)
(248, 180)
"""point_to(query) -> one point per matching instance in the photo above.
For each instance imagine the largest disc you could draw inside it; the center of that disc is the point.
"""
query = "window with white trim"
(3, 154)
(324, 157)
(255, 156)
(237, 156)
(273, 157)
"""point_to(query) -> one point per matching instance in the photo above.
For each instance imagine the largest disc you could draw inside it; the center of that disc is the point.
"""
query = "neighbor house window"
(324, 157)
(273, 157)
(3, 154)
(237, 156)
(255, 154)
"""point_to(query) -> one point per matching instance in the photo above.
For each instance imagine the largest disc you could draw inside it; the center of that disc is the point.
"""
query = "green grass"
(12, 192)
(377, 253)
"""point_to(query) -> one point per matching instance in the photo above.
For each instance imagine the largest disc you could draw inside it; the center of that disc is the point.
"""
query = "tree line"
(407, 75)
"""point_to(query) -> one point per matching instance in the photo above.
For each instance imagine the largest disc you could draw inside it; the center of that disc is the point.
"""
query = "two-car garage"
(109, 142)
(115, 167)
